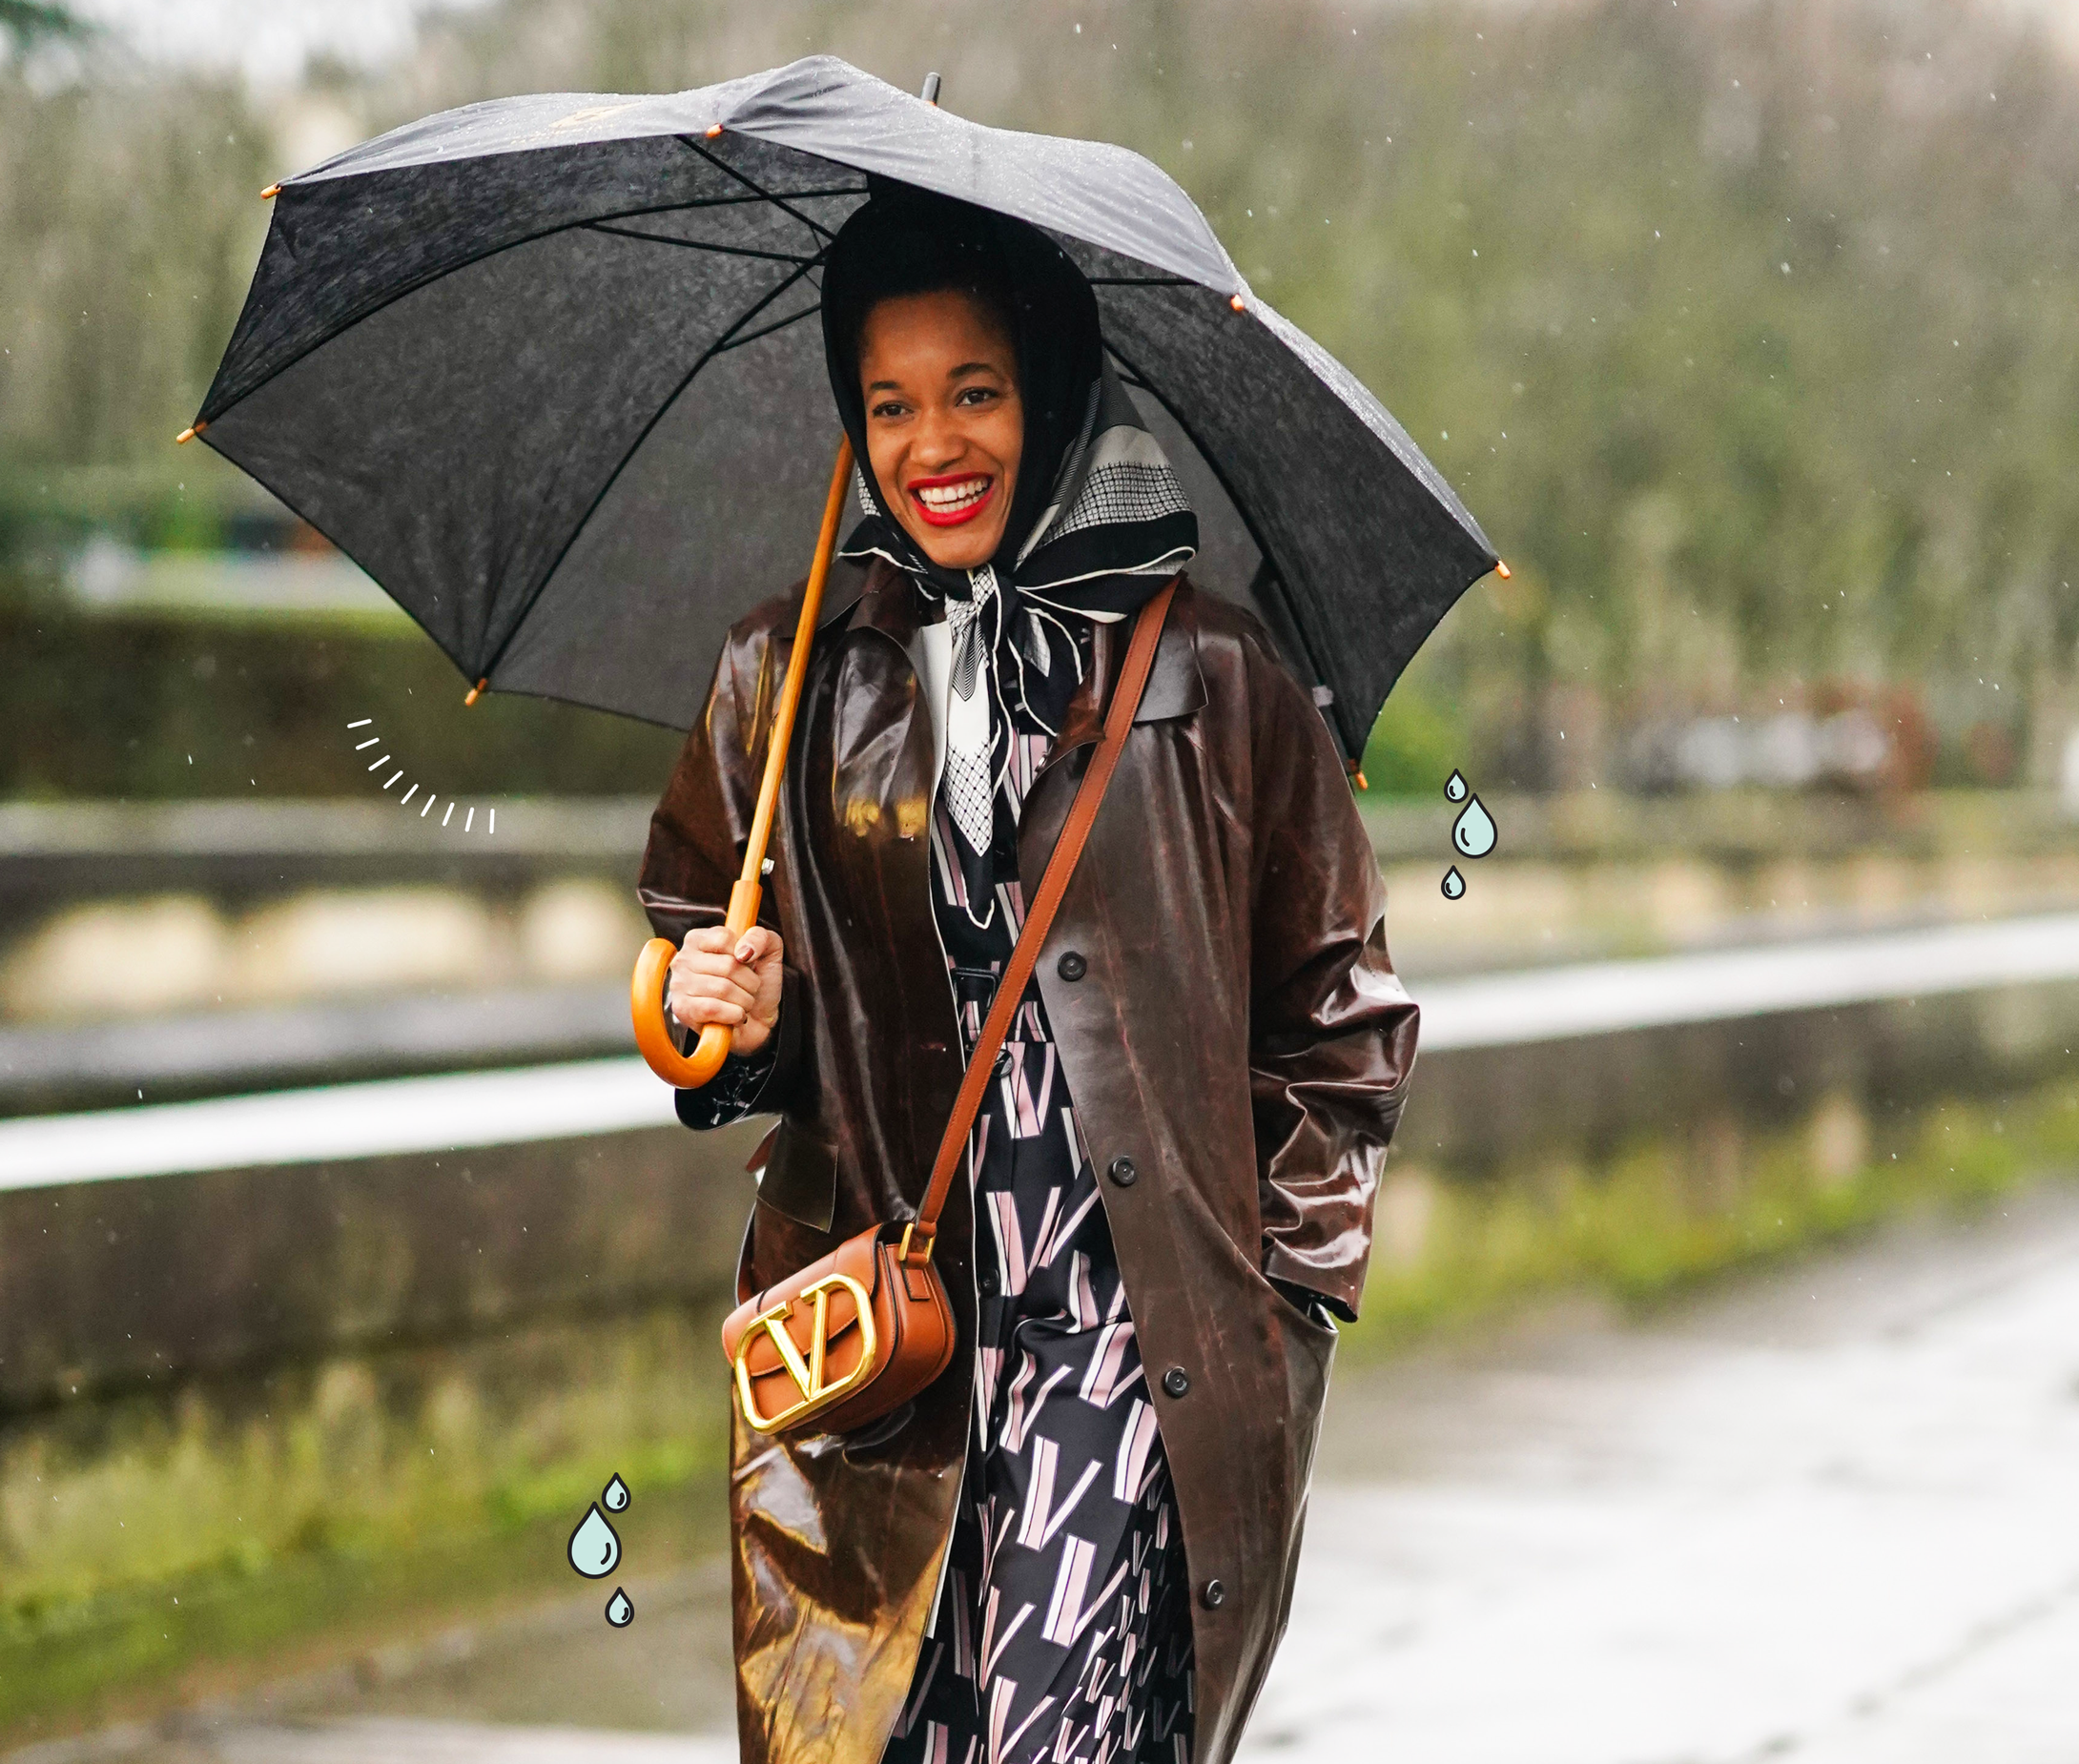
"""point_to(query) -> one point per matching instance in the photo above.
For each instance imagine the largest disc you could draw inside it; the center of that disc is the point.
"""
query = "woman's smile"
(944, 425)
(953, 499)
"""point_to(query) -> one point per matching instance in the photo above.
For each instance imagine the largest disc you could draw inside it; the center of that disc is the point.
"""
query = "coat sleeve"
(696, 849)
(1331, 1030)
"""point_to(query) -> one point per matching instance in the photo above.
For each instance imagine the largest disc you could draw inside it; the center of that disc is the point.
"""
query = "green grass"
(150, 1545)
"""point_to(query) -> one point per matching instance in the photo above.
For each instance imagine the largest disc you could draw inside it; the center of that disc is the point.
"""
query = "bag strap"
(1133, 679)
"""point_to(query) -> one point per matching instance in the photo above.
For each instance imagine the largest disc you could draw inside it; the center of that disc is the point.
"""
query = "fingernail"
(743, 951)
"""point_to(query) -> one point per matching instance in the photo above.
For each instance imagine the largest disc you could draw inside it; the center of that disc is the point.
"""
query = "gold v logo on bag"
(809, 1375)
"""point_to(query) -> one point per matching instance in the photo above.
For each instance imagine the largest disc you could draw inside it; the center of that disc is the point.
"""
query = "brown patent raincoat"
(1238, 1047)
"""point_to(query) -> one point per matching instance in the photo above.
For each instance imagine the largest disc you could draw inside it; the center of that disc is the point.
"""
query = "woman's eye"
(887, 410)
(976, 395)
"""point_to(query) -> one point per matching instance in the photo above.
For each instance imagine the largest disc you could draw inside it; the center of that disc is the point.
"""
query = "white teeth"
(943, 499)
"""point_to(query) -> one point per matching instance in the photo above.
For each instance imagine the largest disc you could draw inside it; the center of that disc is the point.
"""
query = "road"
(1829, 1513)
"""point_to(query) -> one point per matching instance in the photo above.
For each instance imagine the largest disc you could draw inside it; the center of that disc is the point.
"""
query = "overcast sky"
(269, 39)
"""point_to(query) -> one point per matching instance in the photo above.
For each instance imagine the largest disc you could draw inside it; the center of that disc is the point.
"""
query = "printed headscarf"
(1097, 519)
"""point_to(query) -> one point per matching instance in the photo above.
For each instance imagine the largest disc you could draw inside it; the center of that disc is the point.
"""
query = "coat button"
(1071, 966)
(1124, 1173)
(1212, 1595)
(1175, 1381)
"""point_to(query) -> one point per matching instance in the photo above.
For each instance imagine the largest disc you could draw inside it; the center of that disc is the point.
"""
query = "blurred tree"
(1747, 327)
(23, 22)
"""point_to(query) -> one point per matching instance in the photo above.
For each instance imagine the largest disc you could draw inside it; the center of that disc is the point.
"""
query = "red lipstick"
(961, 497)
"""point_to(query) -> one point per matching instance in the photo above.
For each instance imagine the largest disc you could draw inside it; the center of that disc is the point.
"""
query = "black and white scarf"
(1115, 527)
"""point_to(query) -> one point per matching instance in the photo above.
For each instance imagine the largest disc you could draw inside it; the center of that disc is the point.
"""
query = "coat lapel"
(1175, 685)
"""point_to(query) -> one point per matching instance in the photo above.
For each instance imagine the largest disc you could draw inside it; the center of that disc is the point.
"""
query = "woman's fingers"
(697, 1011)
(759, 947)
(737, 980)
(738, 986)
(722, 967)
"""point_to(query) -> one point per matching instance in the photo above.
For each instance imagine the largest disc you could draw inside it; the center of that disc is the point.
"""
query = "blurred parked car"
(1850, 738)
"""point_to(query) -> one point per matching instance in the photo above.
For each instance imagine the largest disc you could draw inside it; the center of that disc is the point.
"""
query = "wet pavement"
(1827, 1513)
(1830, 1513)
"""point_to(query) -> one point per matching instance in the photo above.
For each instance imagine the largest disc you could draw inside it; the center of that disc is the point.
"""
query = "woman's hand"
(717, 977)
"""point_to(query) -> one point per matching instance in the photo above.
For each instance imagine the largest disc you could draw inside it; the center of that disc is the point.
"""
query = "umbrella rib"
(361, 312)
(823, 234)
(766, 330)
(621, 465)
(1212, 464)
(666, 238)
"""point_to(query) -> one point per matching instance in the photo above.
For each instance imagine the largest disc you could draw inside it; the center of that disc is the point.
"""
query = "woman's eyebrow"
(883, 385)
(974, 367)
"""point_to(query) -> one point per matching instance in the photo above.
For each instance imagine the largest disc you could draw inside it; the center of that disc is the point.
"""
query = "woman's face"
(944, 427)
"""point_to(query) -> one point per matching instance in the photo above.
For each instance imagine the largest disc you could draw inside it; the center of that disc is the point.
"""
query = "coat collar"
(1175, 685)
(876, 597)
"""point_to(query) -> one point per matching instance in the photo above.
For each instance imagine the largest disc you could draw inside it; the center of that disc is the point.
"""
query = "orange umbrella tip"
(713, 130)
(1238, 305)
(1501, 569)
(476, 692)
(189, 433)
(270, 193)
(1357, 777)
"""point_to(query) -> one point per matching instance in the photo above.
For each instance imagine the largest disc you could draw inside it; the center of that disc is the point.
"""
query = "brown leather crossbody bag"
(856, 1335)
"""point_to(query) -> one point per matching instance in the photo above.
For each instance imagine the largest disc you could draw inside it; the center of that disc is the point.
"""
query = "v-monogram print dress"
(1063, 1630)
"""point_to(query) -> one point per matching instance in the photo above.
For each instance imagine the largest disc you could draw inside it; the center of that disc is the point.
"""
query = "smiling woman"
(1076, 1544)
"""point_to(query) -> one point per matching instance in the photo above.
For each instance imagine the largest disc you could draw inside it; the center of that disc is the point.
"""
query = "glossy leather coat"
(1238, 1047)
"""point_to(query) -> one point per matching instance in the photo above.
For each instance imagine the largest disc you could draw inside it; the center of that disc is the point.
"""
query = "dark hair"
(915, 260)
(906, 240)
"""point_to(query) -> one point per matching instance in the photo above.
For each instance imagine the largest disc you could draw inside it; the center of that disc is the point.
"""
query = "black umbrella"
(546, 367)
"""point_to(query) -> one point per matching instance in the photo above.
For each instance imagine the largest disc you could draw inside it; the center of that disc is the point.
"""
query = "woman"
(1077, 1544)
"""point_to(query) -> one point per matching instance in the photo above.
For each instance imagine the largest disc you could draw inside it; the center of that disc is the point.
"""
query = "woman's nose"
(939, 440)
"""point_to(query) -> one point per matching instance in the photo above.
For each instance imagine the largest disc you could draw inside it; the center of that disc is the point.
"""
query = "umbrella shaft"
(745, 897)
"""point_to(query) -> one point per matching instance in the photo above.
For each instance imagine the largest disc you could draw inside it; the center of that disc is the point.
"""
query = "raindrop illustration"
(594, 1549)
(616, 1495)
(1454, 787)
(619, 1611)
(1472, 833)
(1454, 884)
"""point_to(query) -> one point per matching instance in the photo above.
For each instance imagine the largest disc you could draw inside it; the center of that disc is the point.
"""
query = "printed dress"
(1061, 1633)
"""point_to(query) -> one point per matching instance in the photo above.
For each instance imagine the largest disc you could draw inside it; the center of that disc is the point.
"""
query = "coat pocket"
(800, 1177)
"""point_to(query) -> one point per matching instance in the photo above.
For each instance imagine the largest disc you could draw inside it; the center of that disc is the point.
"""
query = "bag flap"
(857, 1259)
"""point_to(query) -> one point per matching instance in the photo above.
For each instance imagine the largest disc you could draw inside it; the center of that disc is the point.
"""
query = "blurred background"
(1748, 330)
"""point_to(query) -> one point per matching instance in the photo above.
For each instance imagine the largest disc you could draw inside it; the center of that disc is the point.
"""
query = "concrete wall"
(109, 1285)
(1477, 1109)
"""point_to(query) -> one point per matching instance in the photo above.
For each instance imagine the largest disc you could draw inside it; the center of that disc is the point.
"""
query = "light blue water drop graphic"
(1472, 833)
(616, 1495)
(1454, 787)
(1454, 884)
(595, 1551)
(619, 1611)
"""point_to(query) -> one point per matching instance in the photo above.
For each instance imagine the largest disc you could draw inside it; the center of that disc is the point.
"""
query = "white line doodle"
(468, 825)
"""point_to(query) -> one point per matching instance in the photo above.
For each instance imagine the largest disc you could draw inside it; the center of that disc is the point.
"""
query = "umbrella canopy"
(546, 368)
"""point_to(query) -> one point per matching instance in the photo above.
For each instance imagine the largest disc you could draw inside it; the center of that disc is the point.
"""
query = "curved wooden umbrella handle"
(653, 1024)
(645, 990)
